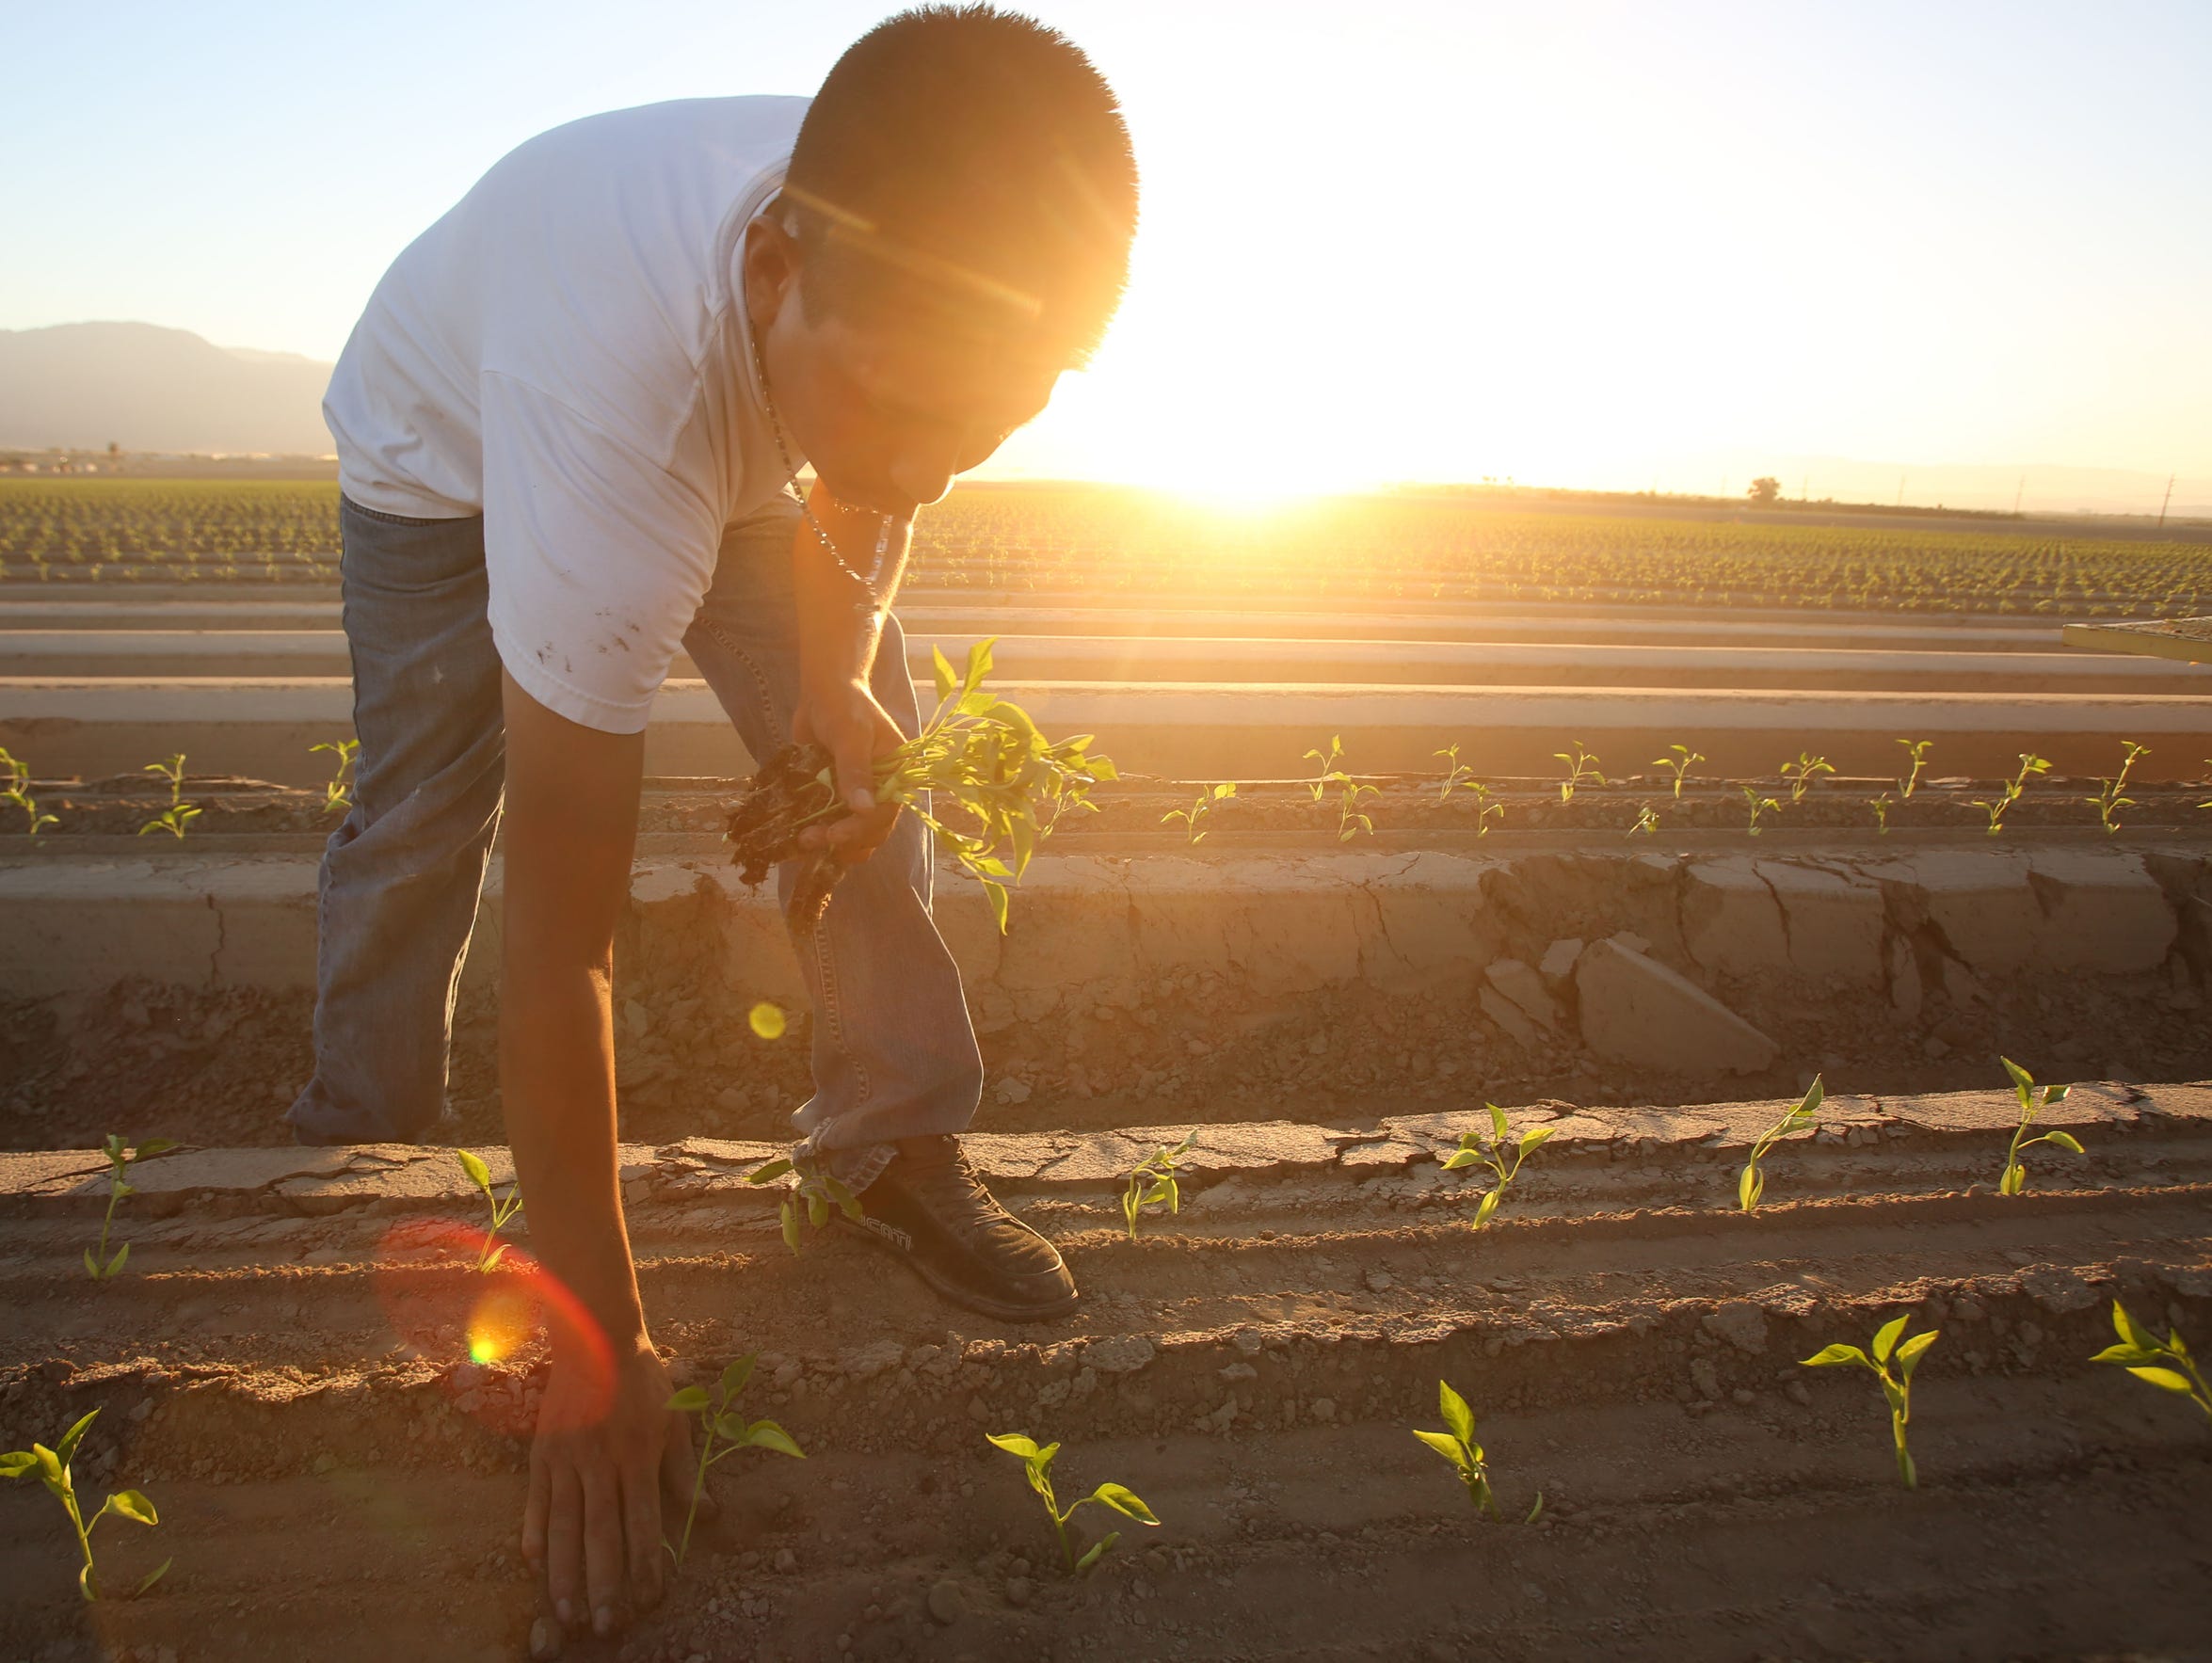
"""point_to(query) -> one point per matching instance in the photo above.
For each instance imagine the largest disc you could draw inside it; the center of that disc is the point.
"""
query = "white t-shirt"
(565, 352)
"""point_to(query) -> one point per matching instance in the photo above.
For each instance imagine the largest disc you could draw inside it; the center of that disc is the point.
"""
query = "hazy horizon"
(1588, 246)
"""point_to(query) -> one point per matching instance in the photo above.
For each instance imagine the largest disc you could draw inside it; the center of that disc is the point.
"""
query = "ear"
(770, 269)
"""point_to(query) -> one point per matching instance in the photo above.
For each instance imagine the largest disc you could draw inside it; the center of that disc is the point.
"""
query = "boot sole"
(968, 1300)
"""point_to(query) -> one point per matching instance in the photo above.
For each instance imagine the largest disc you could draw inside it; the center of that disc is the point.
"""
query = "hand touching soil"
(602, 1454)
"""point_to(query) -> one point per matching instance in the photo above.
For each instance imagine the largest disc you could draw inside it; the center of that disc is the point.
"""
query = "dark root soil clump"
(790, 792)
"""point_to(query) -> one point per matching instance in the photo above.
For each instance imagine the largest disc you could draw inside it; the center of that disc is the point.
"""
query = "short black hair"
(967, 166)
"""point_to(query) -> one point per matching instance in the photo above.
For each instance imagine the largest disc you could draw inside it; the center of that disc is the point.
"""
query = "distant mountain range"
(84, 386)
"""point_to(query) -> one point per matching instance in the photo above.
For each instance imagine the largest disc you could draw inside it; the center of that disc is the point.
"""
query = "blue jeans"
(894, 1054)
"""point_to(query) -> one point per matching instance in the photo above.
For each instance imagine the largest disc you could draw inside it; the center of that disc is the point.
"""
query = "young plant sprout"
(51, 1466)
(1328, 774)
(1500, 1153)
(338, 792)
(1881, 807)
(1680, 762)
(2015, 1175)
(493, 1249)
(1801, 772)
(18, 778)
(718, 1422)
(120, 1158)
(2167, 1367)
(1918, 750)
(1581, 770)
(811, 1186)
(1893, 1364)
(1350, 821)
(976, 750)
(1759, 806)
(1153, 1180)
(1646, 821)
(1457, 1445)
(178, 815)
(1752, 1182)
(1037, 1466)
(1192, 816)
(1457, 773)
(2110, 800)
(2029, 763)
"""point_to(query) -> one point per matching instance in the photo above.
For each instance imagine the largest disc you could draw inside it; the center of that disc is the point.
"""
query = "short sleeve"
(596, 555)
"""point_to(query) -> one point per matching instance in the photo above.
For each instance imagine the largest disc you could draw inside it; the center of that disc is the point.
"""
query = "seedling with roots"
(1918, 750)
(1801, 772)
(719, 1423)
(1500, 1152)
(812, 1187)
(1153, 1180)
(1680, 762)
(1751, 1183)
(2031, 1104)
(2029, 763)
(52, 1466)
(338, 792)
(1457, 1445)
(977, 751)
(1457, 773)
(2110, 800)
(1892, 1364)
(1194, 815)
(18, 778)
(120, 1158)
(1759, 806)
(1581, 770)
(179, 814)
(493, 1249)
(2167, 1367)
(1037, 1466)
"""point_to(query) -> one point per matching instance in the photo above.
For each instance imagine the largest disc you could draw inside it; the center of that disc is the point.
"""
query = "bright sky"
(1575, 243)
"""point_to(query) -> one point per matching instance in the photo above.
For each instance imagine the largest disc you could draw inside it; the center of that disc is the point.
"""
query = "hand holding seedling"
(608, 1447)
(1893, 1364)
(51, 1466)
(846, 720)
(1037, 1466)
(120, 1158)
(2015, 1176)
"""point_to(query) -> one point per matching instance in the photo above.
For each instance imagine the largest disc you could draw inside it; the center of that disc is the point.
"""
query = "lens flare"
(503, 1321)
(767, 1020)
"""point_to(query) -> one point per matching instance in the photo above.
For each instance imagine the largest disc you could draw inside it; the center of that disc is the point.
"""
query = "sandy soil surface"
(338, 1480)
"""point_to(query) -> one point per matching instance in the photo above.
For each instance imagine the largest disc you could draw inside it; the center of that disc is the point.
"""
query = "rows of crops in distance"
(1115, 542)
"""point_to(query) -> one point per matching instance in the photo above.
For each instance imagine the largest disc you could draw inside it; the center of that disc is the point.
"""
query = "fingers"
(853, 840)
(603, 1543)
(564, 1542)
(535, 1512)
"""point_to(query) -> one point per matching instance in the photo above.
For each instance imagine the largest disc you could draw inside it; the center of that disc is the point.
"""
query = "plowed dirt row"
(338, 1480)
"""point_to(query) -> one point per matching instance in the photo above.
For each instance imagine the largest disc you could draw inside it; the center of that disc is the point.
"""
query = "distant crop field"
(1116, 544)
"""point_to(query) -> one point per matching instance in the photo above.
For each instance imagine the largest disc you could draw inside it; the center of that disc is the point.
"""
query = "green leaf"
(2169, 1379)
(2016, 1179)
(134, 1506)
(768, 1173)
(1829, 1356)
(1536, 1509)
(690, 1401)
(1498, 1121)
(979, 666)
(1885, 1337)
(479, 1175)
(1457, 1416)
(66, 1451)
(91, 1264)
(2123, 1325)
(1098, 1550)
(817, 1212)
(1537, 1137)
(1908, 1469)
(1748, 1185)
(492, 1259)
(115, 1265)
(1014, 1444)
(2065, 1141)
(1489, 1205)
(737, 1376)
(941, 668)
(1122, 1499)
(2125, 1354)
(730, 1429)
(1909, 1354)
(16, 1463)
(1445, 1444)
(2023, 1082)
(48, 1467)
(996, 894)
(154, 1146)
(791, 1223)
(156, 1573)
(766, 1435)
(1461, 1159)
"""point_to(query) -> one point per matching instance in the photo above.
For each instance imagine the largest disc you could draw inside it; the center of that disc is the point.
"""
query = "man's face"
(888, 416)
